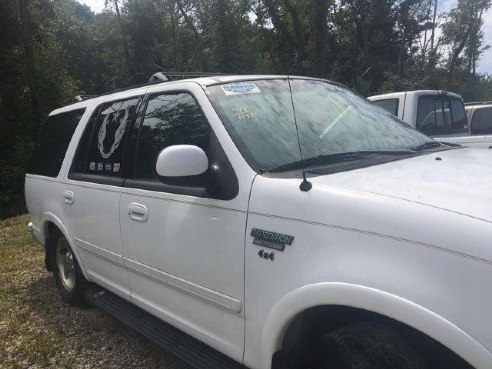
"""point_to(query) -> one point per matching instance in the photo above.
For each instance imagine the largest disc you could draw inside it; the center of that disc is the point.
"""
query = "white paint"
(181, 161)
(408, 239)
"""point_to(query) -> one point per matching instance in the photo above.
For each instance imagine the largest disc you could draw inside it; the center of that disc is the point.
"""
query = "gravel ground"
(38, 330)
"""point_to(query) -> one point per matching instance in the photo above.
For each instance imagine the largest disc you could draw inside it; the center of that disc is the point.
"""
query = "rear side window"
(170, 119)
(101, 149)
(48, 154)
(390, 105)
(441, 115)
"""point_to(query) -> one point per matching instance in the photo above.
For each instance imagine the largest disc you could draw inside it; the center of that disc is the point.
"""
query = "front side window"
(441, 115)
(170, 119)
(105, 138)
(48, 154)
(259, 116)
(390, 105)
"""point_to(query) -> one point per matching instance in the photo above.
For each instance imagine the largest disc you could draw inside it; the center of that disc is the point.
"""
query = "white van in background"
(439, 114)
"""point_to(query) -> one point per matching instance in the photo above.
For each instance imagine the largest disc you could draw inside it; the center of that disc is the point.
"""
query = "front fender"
(356, 296)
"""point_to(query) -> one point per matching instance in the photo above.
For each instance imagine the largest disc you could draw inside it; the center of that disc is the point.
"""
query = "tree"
(463, 32)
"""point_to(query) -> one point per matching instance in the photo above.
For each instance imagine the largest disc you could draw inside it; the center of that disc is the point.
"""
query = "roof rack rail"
(478, 103)
(159, 77)
(181, 75)
(80, 98)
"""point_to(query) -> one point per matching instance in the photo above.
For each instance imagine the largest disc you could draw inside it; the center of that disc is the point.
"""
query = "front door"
(183, 240)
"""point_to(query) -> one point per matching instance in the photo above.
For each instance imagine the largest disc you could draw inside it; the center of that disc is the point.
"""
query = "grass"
(38, 330)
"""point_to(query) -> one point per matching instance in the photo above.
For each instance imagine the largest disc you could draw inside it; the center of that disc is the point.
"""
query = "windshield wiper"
(427, 145)
(340, 157)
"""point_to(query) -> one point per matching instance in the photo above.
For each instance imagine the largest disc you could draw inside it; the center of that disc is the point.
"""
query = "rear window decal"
(118, 135)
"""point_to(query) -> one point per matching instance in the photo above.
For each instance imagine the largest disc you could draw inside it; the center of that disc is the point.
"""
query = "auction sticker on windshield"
(240, 88)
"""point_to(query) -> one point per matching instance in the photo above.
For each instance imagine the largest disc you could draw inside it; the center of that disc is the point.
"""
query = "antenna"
(305, 184)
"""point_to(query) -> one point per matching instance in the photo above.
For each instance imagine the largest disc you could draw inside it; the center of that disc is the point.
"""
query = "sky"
(484, 64)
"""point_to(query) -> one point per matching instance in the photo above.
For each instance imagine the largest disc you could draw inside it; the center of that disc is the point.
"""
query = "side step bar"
(186, 348)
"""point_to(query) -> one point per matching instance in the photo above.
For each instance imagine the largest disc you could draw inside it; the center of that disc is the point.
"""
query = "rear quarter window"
(482, 121)
(52, 144)
(390, 105)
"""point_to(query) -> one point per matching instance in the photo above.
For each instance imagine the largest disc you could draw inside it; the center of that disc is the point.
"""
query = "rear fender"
(46, 219)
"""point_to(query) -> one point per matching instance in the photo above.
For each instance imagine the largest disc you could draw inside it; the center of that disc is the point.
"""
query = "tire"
(366, 345)
(70, 281)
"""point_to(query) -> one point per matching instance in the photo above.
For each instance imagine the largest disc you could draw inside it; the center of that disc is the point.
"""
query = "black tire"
(366, 345)
(70, 281)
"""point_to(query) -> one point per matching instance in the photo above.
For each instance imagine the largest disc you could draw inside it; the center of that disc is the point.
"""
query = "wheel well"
(50, 232)
(308, 327)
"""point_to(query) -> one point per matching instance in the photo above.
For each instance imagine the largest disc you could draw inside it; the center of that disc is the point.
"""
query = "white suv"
(268, 221)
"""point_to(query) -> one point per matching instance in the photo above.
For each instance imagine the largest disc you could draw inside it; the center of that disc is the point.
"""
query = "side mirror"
(181, 161)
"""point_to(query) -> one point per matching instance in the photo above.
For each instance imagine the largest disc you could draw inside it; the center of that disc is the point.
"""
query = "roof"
(414, 92)
(202, 81)
(476, 104)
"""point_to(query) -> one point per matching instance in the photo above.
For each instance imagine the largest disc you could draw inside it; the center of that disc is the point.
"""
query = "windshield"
(259, 116)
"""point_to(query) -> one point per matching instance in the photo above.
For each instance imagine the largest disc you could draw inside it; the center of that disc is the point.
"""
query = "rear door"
(91, 196)
(183, 239)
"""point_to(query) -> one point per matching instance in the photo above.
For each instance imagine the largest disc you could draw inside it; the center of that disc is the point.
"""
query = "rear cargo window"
(441, 115)
(48, 154)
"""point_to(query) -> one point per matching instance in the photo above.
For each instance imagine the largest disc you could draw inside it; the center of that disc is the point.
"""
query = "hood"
(441, 200)
(458, 180)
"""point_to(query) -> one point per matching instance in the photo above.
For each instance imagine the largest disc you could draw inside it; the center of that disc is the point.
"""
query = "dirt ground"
(38, 330)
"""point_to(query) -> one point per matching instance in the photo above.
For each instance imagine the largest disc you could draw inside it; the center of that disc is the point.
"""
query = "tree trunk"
(454, 57)
(36, 110)
(198, 38)
(282, 28)
(320, 14)
(223, 32)
(299, 35)
(129, 68)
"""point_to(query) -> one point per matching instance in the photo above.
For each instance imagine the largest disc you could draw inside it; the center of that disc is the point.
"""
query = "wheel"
(69, 278)
(366, 345)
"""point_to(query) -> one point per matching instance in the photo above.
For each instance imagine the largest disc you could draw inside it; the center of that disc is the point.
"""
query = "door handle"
(68, 197)
(138, 212)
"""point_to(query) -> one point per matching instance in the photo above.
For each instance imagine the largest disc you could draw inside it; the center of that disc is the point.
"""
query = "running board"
(181, 345)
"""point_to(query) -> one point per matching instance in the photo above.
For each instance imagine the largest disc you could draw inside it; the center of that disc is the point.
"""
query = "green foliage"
(371, 46)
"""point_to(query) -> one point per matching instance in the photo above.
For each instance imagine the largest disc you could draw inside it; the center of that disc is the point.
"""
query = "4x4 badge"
(271, 240)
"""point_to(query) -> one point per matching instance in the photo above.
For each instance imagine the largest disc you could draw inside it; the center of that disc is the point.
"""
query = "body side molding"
(213, 297)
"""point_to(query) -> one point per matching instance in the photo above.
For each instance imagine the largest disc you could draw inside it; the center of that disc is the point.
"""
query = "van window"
(390, 105)
(441, 115)
(49, 152)
(102, 147)
(170, 119)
